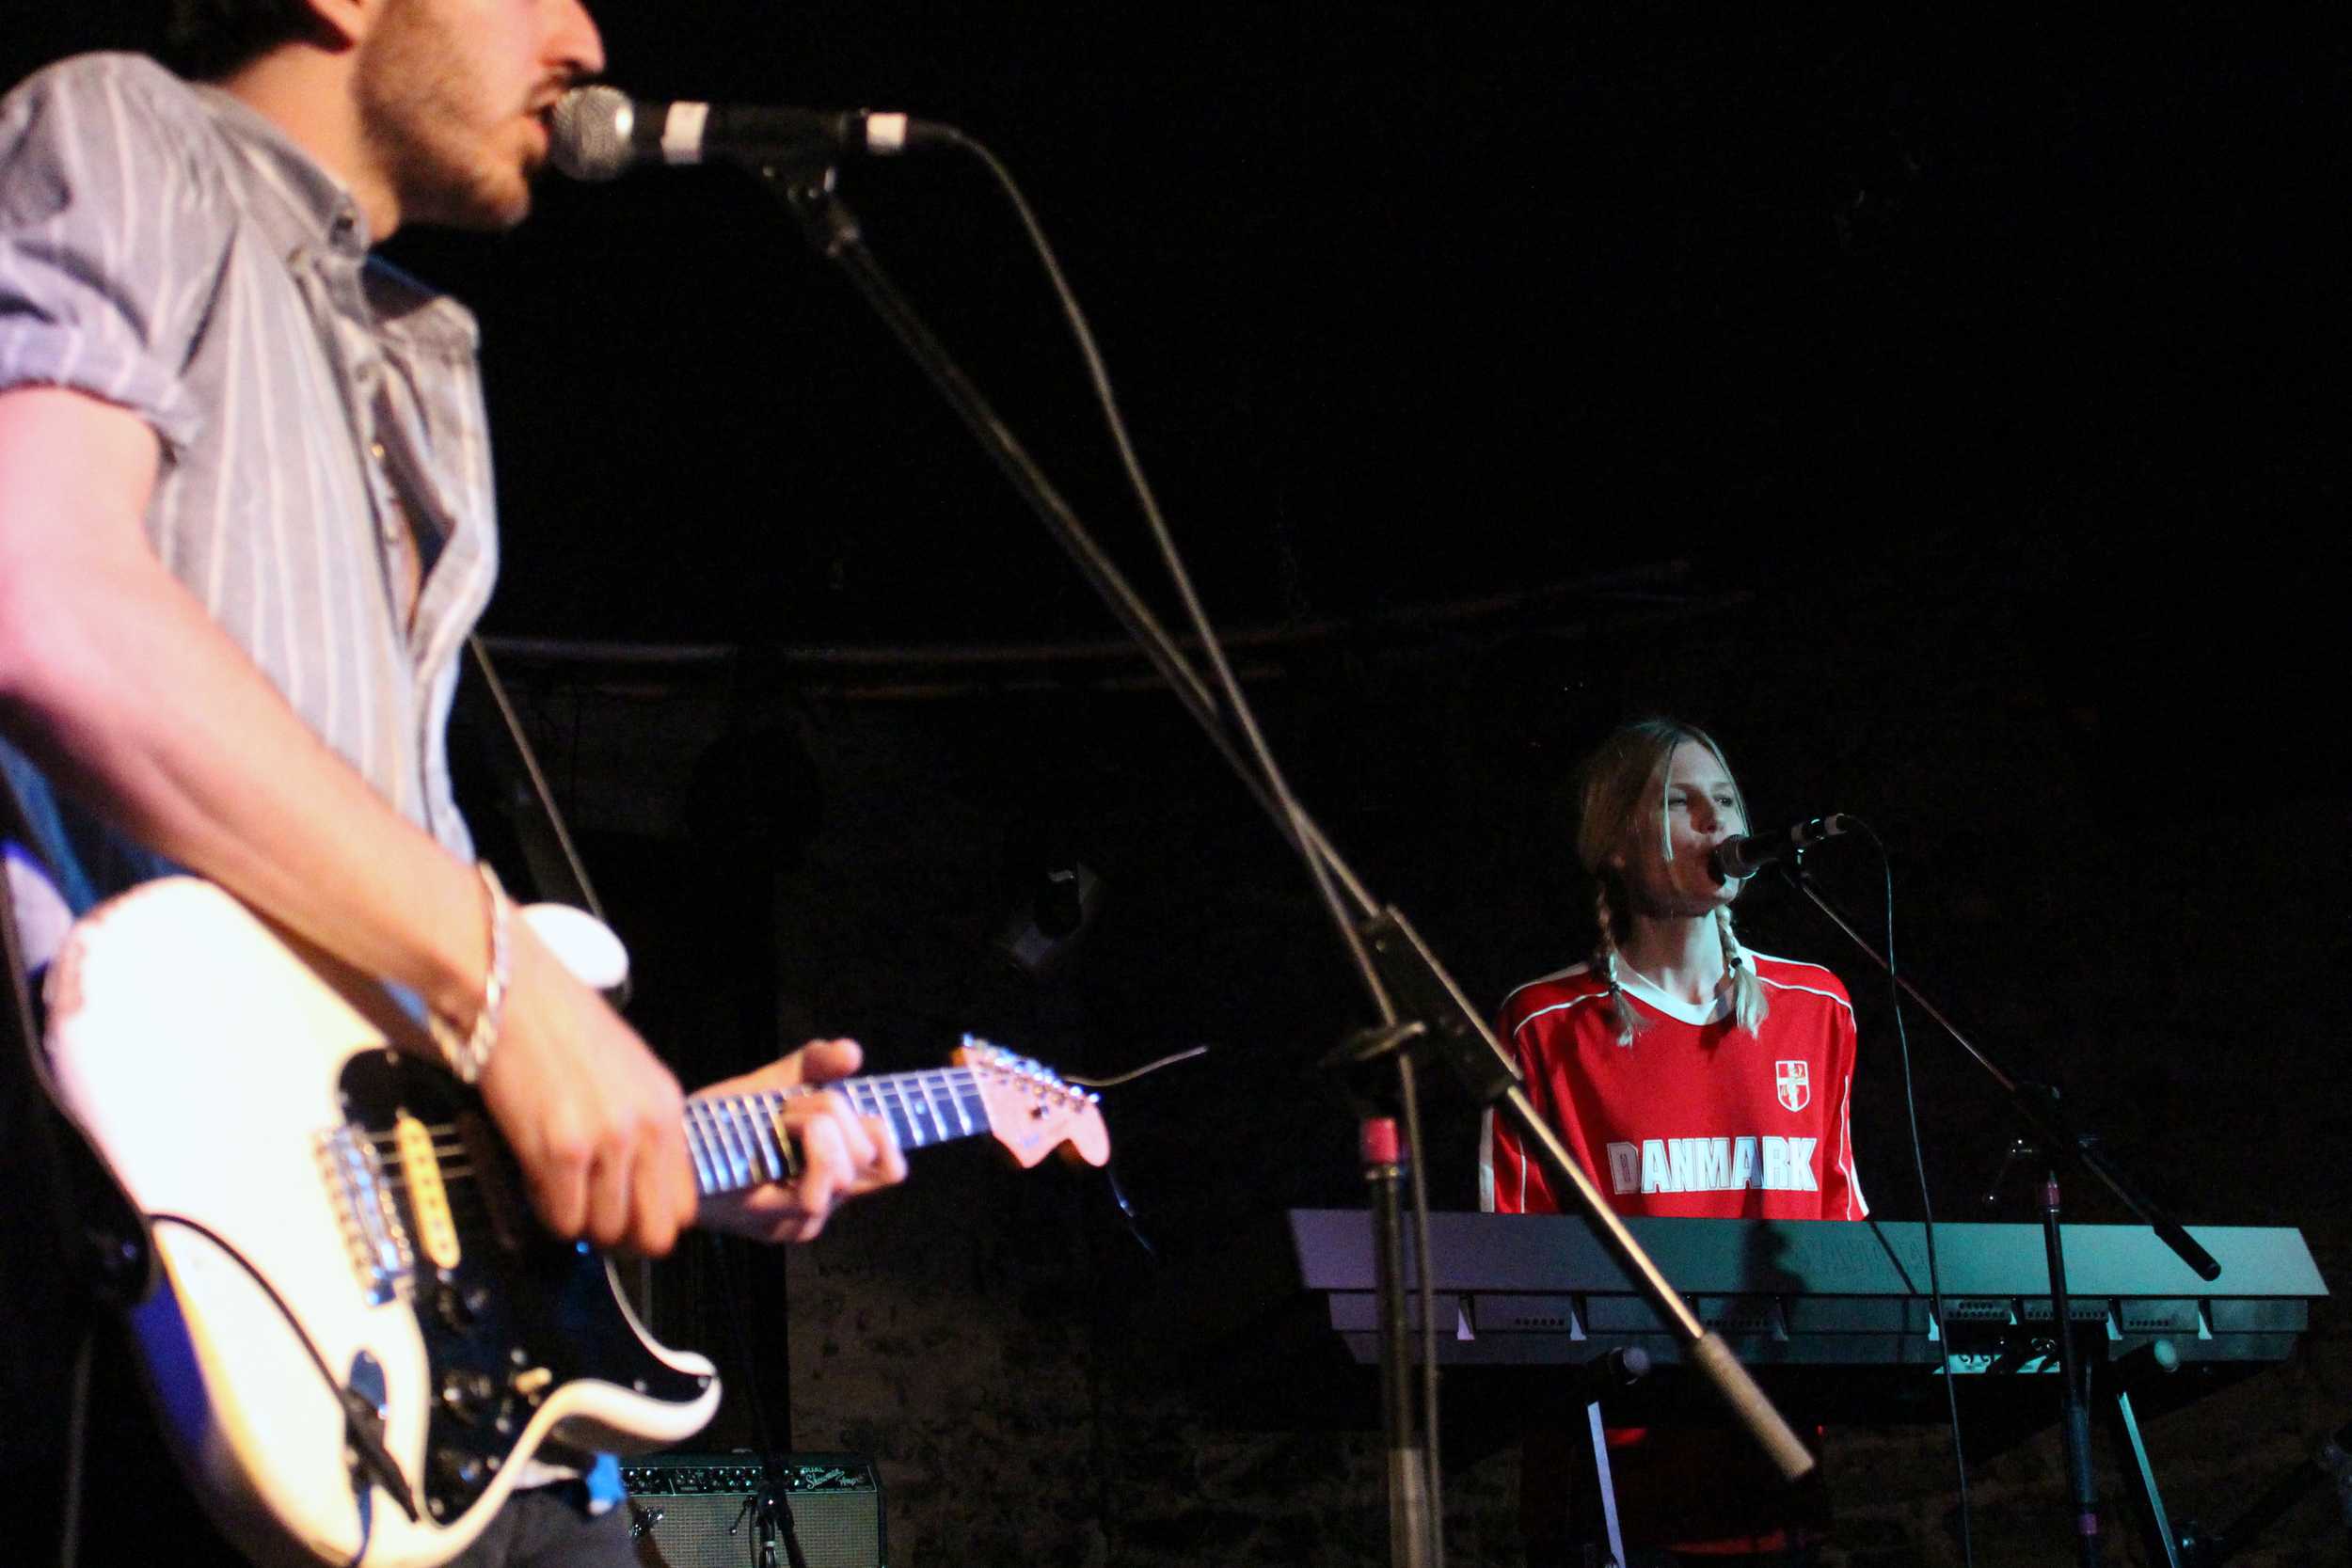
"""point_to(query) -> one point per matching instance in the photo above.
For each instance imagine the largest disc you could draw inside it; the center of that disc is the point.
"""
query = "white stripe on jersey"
(1556, 1007)
(1569, 972)
(1809, 991)
(1487, 1161)
(1789, 985)
(1845, 1156)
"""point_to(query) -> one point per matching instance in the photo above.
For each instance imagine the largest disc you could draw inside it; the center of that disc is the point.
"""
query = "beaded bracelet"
(467, 1054)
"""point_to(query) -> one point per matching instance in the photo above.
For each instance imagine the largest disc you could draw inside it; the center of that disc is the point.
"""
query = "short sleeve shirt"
(165, 248)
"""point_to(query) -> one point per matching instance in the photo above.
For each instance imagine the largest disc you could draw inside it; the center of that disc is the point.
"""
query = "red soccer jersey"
(1695, 1119)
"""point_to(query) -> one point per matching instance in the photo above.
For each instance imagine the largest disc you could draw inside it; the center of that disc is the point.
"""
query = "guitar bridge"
(381, 1256)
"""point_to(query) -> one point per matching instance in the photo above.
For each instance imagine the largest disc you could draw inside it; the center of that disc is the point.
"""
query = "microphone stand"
(1423, 1013)
(1410, 1500)
(2036, 1107)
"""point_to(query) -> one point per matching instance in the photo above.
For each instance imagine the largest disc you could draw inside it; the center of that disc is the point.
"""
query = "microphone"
(1736, 858)
(599, 133)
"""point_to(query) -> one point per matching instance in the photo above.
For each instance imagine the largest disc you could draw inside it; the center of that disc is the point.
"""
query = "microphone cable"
(1300, 829)
(1943, 1322)
(369, 1455)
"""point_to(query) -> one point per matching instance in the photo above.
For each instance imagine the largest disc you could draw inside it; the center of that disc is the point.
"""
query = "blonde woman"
(1690, 1078)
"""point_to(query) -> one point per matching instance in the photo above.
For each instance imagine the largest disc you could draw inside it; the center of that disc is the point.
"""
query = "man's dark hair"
(211, 37)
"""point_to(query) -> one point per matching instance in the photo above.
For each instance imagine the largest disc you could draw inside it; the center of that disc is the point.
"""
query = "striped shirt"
(167, 250)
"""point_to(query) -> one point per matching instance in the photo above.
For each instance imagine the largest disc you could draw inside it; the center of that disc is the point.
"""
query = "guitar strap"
(526, 802)
(520, 787)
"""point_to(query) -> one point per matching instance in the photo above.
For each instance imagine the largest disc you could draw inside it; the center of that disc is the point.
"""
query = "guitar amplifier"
(702, 1510)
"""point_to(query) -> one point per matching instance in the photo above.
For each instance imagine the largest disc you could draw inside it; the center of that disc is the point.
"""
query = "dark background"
(1948, 413)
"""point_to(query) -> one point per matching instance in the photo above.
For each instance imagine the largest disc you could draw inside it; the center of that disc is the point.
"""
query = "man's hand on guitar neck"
(842, 1154)
(598, 1123)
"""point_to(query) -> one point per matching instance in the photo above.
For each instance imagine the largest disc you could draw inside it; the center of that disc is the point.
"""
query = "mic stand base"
(2329, 1465)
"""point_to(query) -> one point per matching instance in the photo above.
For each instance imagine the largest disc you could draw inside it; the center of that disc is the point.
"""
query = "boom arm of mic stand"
(831, 230)
(1407, 969)
(2060, 1140)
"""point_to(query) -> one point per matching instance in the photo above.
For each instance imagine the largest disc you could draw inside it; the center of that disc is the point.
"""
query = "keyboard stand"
(2164, 1546)
(2162, 1543)
(1608, 1487)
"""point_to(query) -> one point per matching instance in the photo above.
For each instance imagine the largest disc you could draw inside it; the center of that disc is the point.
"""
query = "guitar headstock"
(1032, 1112)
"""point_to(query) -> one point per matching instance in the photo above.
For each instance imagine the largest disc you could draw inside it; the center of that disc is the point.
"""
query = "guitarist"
(246, 521)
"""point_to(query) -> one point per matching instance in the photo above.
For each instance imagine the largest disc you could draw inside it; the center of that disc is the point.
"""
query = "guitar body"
(317, 1195)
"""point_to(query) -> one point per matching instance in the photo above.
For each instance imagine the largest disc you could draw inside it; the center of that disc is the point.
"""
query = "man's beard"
(420, 101)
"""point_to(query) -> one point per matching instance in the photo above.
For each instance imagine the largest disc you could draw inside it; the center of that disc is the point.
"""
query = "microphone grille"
(590, 137)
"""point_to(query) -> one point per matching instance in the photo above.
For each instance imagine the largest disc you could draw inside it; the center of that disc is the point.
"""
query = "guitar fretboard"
(737, 1141)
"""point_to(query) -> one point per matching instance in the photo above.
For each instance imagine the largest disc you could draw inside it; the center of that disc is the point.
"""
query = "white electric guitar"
(362, 1327)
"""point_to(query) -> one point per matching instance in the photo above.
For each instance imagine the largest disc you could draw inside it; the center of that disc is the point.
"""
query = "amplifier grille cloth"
(695, 1510)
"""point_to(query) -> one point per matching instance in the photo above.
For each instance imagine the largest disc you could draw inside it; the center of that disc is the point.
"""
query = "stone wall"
(996, 1339)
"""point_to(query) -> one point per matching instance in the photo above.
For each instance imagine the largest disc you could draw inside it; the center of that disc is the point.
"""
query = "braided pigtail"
(1740, 987)
(1606, 957)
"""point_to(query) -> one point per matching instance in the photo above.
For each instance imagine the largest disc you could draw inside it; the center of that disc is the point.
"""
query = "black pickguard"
(519, 1304)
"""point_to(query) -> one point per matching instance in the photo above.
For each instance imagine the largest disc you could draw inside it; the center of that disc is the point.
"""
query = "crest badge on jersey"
(1795, 1082)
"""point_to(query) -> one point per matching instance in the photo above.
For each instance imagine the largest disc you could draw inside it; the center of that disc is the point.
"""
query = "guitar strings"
(916, 1121)
(730, 1154)
(447, 1135)
(880, 1088)
(906, 1099)
(874, 1091)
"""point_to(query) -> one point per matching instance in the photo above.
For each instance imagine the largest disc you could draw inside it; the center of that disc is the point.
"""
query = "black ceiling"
(1409, 303)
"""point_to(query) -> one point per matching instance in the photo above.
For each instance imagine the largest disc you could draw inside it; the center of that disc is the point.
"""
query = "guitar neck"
(738, 1140)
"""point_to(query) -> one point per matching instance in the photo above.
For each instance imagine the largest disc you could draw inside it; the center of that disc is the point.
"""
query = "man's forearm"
(112, 675)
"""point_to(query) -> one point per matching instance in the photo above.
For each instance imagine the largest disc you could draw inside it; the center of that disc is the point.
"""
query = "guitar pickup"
(428, 1199)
